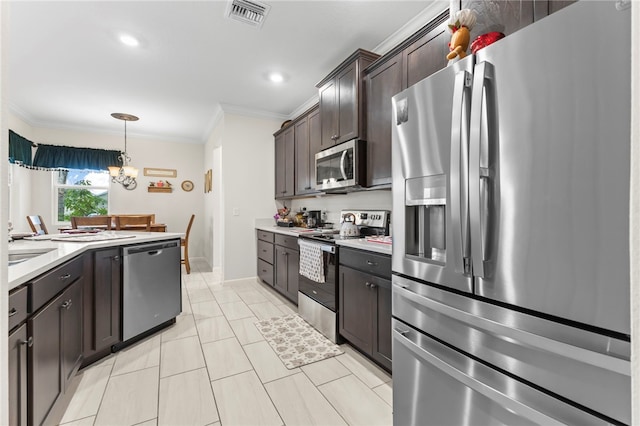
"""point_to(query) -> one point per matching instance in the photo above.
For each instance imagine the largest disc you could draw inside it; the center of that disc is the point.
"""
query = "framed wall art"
(148, 171)
(208, 181)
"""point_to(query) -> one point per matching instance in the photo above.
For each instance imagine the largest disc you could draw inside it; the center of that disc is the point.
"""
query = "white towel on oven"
(311, 262)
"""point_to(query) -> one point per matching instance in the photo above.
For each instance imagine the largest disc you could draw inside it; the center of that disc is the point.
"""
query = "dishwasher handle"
(152, 249)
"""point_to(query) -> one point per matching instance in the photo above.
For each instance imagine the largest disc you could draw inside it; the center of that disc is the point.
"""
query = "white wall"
(4, 214)
(174, 208)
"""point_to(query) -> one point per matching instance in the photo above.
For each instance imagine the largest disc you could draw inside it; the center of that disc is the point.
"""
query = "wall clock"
(187, 185)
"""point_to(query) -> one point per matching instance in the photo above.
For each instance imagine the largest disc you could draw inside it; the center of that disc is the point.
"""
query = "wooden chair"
(126, 222)
(95, 221)
(184, 242)
(37, 225)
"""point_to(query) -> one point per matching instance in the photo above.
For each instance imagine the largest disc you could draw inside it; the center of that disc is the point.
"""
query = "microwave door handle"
(480, 97)
(458, 179)
(343, 159)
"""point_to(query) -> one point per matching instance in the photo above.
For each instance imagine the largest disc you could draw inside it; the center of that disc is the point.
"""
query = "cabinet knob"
(373, 285)
(28, 342)
(370, 263)
(12, 312)
(64, 277)
(367, 284)
(115, 258)
(67, 304)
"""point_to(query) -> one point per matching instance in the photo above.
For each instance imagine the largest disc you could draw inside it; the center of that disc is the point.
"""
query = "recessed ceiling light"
(276, 77)
(129, 40)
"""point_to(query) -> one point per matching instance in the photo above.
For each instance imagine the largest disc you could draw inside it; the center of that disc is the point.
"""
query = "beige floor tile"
(87, 421)
(266, 363)
(273, 296)
(186, 304)
(206, 309)
(251, 296)
(200, 295)
(385, 391)
(212, 329)
(226, 295)
(185, 326)
(246, 331)
(300, 403)
(130, 398)
(287, 309)
(357, 403)
(179, 356)
(152, 422)
(236, 310)
(88, 396)
(325, 371)
(364, 369)
(225, 358)
(266, 310)
(242, 400)
(194, 282)
(143, 354)
(187, 399)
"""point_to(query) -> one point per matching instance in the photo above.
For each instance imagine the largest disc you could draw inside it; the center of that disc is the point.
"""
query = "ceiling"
(67, 68)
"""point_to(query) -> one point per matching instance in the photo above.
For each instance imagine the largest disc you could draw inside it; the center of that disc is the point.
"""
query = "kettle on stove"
(349, 227)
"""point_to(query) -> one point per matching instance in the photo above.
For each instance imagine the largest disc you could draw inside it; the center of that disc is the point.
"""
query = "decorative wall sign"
(187, 185)
(160, 172)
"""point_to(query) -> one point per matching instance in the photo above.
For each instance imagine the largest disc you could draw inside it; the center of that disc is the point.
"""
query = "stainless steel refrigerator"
(511, 237)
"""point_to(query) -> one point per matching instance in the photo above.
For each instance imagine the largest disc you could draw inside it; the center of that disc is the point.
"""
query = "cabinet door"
(18, 376)
(287, 265)
(328, 114)
(427, 55)
(315, 140)
(289, 162)
(381, 351)
(382, 84)
(356, 308)
(45, 378)
(347, 85)
(303, 170)
(280, 185)
(281, 272)
(71, 331)
(102, 302)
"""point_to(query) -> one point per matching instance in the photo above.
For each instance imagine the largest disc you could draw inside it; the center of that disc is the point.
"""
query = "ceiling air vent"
(249, 12)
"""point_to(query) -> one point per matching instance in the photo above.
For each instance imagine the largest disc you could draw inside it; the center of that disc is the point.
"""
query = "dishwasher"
(151, 293)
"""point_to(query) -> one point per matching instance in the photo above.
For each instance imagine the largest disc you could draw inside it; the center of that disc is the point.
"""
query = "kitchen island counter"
(58, 252)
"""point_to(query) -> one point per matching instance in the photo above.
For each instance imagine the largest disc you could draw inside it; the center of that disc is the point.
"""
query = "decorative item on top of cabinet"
(460, 25)
(414, 59)
(343, 100)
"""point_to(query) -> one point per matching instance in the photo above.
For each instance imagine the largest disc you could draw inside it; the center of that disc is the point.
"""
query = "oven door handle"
(328, 249)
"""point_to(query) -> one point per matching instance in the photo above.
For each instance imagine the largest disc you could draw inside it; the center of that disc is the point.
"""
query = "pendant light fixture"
(125, 174)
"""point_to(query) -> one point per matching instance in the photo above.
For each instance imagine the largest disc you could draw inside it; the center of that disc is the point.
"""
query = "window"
(80, 193)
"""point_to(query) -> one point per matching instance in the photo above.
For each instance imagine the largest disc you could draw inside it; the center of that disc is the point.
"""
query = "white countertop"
(61, 251)
(363, 244)
(293, 231)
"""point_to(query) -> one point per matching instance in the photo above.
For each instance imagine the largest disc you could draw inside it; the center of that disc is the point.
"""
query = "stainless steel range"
(318, 284)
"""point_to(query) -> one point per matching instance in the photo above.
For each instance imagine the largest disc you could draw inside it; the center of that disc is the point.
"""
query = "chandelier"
(125, 174)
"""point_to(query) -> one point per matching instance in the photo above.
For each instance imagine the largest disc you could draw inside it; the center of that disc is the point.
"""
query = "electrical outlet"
(236, 211)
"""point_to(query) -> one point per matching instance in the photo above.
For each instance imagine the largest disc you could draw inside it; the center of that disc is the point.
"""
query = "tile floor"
(214, 368)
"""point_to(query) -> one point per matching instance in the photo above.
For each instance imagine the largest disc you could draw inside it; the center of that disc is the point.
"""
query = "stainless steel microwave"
(342, 166)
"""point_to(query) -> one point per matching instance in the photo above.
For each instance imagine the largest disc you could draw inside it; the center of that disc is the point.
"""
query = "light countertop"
(58, 252)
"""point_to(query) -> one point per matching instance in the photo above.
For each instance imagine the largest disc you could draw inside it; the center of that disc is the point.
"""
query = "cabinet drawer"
(378, 264)
(265, 271)
(17, 307)
(287, 241)
(265, 251)
(42, 289)
(265, 236)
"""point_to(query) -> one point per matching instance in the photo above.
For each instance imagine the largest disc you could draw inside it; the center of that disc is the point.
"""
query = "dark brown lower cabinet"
(287, 264)
(18, 342)
(56, 353)
(102, 304)
(365, 310)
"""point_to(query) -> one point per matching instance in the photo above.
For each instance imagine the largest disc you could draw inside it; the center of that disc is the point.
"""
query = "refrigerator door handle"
(471, 382)
(537, 341)
(459, 168)
(483, 72)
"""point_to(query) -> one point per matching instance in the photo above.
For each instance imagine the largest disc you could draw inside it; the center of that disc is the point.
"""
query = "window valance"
(56, 156)
(19, 149)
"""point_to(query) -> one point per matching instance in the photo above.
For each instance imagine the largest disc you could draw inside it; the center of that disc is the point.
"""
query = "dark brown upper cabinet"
(285, 162)
(307, 144)
(343, 100)
(418, 57)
